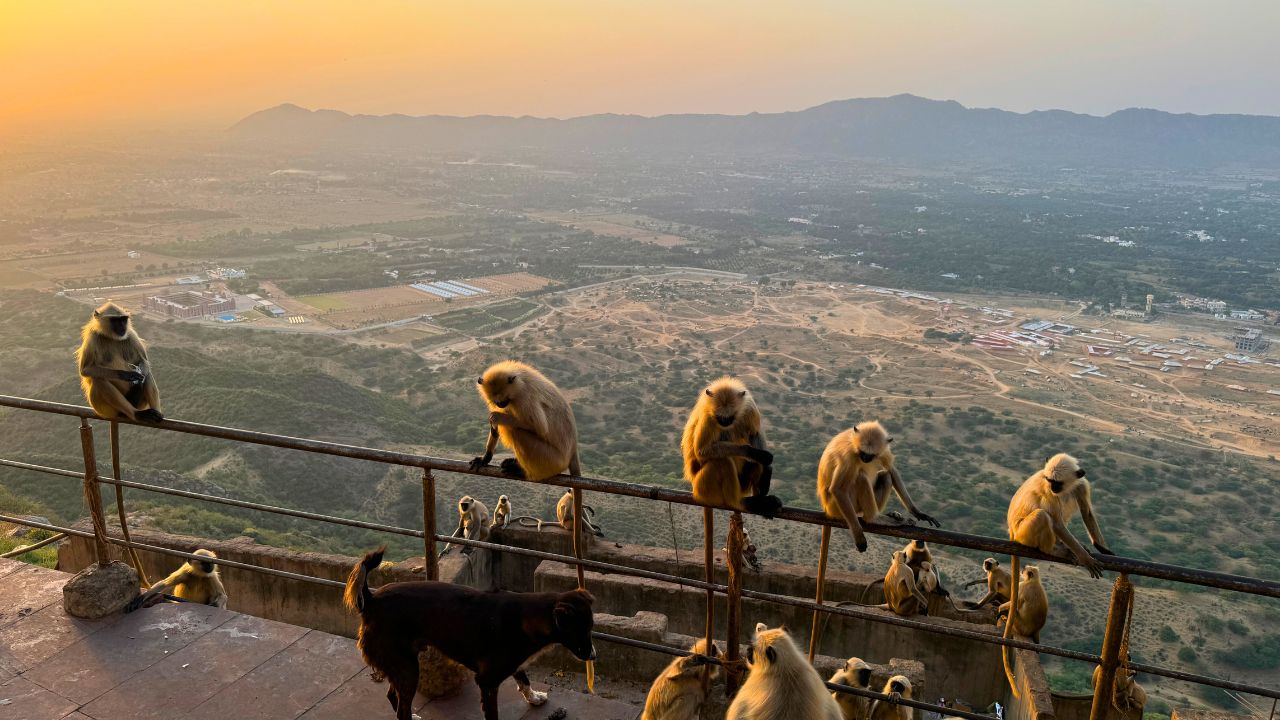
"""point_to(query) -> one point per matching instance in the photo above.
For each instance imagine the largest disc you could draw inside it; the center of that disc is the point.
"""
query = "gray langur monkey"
(855, 674)
(501, 512)
(564, 515)
(196, 581)
(473, 523)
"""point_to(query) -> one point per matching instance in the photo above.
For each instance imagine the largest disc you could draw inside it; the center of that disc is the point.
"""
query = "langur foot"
(150, 415)
(766, 505)
(511, 467)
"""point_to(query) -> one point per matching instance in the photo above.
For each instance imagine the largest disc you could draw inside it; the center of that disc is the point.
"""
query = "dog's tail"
(357, 595)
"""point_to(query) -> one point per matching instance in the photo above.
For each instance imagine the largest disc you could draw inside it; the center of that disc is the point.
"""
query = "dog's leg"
(488, 697)
(531, 696)
(405, 683)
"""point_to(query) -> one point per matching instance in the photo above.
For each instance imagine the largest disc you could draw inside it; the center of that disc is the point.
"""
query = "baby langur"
(196, 581)
(473, 523)
(918, 557)
(501, 512)
(115, 374)
(725, 454)
(927, 579)
(749, 552)
(854, 478)
(1126, 693)
(781, 684)
(901, 593)
(997, 581)
(898, 687)
(854, 674)
(564, 515)
(678, 693)
(533, 418)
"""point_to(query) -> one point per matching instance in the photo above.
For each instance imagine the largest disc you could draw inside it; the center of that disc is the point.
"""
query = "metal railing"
(1117, 618)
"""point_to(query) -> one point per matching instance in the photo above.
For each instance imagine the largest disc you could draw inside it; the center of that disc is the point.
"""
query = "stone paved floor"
(202, 663)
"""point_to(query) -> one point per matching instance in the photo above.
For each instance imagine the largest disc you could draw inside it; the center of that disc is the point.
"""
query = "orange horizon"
(77, 65)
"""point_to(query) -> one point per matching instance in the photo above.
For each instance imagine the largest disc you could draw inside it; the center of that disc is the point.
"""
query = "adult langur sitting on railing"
(725, 455)
(1038, 517)
(197, 581)
(114, 371)
(533, 418)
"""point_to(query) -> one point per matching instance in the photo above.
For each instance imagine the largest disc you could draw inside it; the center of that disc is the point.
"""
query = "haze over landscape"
(1004, 229)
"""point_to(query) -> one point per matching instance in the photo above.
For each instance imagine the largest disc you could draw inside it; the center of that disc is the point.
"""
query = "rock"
(438, 676)
(21, 531)
(100, 590)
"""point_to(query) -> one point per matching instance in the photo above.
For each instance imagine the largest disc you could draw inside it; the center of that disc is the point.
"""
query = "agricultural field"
(490, 319)
(62, 268)
(619, 225)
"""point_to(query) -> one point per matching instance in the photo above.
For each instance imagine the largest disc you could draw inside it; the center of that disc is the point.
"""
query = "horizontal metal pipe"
(176, 553)
(24, 549)
(1239, 583)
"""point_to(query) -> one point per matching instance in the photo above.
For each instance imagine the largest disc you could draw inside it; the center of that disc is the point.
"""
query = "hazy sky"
(68, 64)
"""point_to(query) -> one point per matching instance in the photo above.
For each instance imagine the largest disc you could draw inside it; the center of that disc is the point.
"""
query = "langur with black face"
(473, 523)
(855, 674)
(1039, 514)
(679, 693)
(997, 581)
(855, 475)
(501, 512)
(533, 418)
(897, 688)
(115, 373)
(196, 581)
(725, 455)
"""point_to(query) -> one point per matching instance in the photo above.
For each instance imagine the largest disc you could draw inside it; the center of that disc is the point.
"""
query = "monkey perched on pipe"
(856, 673)
(1038, 517)
(533, 418)
(997, 581)
(725, 455)
(678, 693)
(854, 478)
(115, 373)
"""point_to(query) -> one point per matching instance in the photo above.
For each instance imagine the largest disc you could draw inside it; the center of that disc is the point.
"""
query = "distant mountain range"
(899, 128)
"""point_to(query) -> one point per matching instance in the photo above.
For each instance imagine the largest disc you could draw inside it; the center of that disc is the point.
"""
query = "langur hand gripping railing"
(1114, 644)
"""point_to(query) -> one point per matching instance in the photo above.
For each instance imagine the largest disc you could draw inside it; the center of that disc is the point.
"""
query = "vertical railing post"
(116, 473)
(822, 584)
(577, 536)
(92, 493)
(1117, 619)
(708, 562)
(733, 617)
(431, 564)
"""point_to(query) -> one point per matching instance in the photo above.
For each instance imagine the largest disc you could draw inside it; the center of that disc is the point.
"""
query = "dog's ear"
(582, 593)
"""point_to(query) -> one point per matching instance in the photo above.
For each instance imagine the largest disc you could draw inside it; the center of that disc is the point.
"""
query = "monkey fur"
(1126, 693)
(997, 581)
(854, 478)
(725, 454)
(532, 418)
(564, 515)
(918, 555)
(1039, 514)
(897, 687)
(1033, 606)
(196, 581)
(115, 373)
(473, 523)
(501, 512)
(781, 684)
(855, 674)
(901, 594)
(678, 693)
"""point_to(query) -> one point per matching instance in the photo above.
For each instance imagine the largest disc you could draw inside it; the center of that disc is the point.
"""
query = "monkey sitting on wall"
(901, 593)
(725, 455)
(897, 687)
(564, 515)
(997, 581)
(855, 475)
(781, 684)
(678, 693)
(1029, 617)
(196, 581)
(533, 418)
(473, 523)
(114, 371)
(501, 512)
(855, 674)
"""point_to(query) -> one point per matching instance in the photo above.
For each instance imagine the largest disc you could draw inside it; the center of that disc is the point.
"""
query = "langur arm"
(1082, 556)
(901, 489)
(575, 467)
(757, 441)
(842, 490)
(971, 583)
(479, 462)
(991, 595)
(456, 533)
(1091, 522)
(98, 372)
(217, 593)
(176, 578)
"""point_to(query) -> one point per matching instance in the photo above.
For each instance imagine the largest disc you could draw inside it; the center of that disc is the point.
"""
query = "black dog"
(493, 634)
